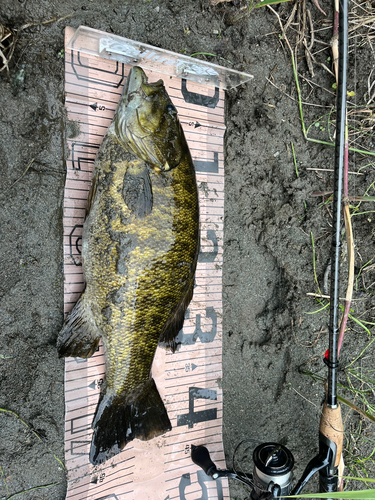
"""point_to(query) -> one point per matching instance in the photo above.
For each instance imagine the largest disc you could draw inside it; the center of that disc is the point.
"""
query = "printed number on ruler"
(196, 393)
(98, 478)
(204, 337)
(97, 106)
(210, 256)
(195, 417)
(207, 102)
(199, 99)
(186, 481)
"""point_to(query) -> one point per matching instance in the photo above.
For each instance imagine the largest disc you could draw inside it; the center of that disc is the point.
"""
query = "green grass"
(14, 414)
(211, 55)
(31, 489)
(294, 160)
(326, 117)
(252, 4)
(360, 466)
(355, 495)
(361, 271)
(358, 394)
(361, 384)
(314, 259)
(4, 479)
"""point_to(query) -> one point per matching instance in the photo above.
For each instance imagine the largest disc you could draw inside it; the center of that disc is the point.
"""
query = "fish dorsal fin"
(79, 335)
(137, 190)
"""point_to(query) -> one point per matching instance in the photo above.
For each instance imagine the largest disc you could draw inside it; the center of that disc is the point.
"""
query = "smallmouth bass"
(140, 246)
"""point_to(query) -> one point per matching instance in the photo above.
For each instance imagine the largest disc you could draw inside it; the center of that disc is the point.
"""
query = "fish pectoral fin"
(176, 322)
(137, 191)
(79, 336)
(117, 422)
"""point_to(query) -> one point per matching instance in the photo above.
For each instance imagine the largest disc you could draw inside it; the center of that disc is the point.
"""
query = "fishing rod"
(273, 463)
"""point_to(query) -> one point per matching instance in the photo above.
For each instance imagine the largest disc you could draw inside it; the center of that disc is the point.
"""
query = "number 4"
(193, 417)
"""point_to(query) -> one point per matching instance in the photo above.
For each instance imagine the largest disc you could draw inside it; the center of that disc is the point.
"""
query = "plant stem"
(31, 489)
(361, 353)
(10, 412)
(294, 159)
(350, 286)
(349, 241)
(353, 150)
(356, 408)
(315, 276)
(361, 198)
(335, 40)
(346, 159)
(299, 96)
(294, 71)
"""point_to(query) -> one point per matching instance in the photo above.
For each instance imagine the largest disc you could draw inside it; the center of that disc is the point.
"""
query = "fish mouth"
(135, 79)
(137, 82)
(143, 121)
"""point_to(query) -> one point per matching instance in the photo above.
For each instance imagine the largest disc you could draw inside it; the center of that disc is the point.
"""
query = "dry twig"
(9, 37)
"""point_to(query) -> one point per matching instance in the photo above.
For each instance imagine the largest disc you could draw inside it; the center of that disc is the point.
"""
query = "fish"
(140, 247)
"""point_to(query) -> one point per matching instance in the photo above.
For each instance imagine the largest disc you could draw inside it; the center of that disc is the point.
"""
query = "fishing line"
(254, 442)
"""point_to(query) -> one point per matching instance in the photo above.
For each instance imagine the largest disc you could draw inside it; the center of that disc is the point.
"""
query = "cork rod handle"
(331, 427)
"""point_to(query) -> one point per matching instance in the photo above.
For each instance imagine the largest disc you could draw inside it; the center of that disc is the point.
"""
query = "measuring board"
(189, 381)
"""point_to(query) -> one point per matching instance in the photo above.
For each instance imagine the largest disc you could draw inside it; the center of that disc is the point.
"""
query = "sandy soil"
(270, 215)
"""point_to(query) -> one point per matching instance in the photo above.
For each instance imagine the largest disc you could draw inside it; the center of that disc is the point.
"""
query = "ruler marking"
(206, 437)
(213, 127)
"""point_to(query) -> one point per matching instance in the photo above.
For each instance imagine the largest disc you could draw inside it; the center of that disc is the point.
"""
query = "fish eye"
(171, 109)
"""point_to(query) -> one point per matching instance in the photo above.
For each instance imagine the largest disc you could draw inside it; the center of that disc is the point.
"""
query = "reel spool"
(273, 464)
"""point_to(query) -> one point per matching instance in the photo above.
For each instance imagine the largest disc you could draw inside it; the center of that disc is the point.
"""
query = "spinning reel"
(272, 476)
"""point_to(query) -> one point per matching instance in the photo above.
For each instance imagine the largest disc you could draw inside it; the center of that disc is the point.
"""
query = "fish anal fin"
(176, 322)
(118, 421)
(79, 337)
(137, 190)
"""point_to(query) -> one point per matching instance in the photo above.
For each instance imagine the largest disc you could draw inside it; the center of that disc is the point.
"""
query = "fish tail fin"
(79, 335)
(117, 422)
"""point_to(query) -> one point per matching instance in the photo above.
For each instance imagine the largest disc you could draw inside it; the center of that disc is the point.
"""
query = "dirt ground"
(269, 335)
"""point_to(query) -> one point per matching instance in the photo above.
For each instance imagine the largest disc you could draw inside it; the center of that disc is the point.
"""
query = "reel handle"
(201, 457)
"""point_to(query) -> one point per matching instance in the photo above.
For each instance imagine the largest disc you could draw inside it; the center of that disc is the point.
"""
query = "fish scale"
(140, 246)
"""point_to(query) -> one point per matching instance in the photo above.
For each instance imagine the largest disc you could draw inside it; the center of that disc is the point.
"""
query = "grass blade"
(355, 495)
(263, 3)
